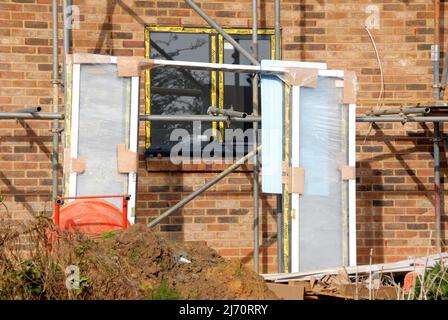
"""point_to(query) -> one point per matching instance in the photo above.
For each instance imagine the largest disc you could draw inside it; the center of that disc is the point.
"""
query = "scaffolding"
(417, 114)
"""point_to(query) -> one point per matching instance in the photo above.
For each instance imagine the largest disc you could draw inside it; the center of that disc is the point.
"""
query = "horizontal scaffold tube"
(424, 110)
(187, 118)
(167, 118)
(31, 115)
(30, 109)
(401, 119)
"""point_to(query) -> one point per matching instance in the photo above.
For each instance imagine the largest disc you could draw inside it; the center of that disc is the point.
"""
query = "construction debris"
(371, 282)
(403, 267)
(287, 292)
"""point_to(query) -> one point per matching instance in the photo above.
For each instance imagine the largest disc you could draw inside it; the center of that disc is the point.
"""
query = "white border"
(74, 126)
(133, 146)
(295, 163)
(352, 185)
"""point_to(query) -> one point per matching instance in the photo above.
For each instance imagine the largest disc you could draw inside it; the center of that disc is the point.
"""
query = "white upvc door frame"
(352, 185)
(295, 162)
(133, 146)
(132, 136)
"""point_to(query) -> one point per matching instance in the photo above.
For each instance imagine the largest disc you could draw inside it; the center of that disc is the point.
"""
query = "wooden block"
(305, 284)
(350, 87)
(287, 292)
(348, 172)
(294, 178)
(127, 161)
(304, 77)
(70, 165)
(132, 66)
(90, 58)
(382, 293)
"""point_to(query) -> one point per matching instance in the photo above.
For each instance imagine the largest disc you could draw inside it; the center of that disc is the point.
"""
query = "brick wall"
(395, 191)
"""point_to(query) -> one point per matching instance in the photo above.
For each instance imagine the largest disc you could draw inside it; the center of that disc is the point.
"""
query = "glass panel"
(323, 149)
(178, 91)
(103, 111)
(272, 99)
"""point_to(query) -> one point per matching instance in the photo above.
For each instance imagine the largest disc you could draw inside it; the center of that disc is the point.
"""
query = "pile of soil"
(134, 264)
(192, 269)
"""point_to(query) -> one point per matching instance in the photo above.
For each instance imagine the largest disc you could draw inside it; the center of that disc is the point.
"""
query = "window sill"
(165, 164)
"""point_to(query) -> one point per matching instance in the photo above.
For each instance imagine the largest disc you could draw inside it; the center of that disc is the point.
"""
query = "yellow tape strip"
(273, 48)
(221, 83)
(245, 31)
(180, 29)
(249, 31)
(147, 91)
(213, 81)
(286, 195)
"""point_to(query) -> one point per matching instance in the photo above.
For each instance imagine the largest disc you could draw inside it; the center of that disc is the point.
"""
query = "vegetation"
(163, 292)
(39, 261)
(239, 268)
(433, 285)
(107, 235)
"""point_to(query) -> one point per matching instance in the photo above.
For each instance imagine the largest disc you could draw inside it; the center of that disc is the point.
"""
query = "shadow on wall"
(26, 163)
(105, 44)
(268, 239)
(378, 189)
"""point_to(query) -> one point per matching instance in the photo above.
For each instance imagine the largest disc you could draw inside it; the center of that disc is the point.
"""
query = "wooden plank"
(382, 293)
(287, 292)
(348, 292)
(305, 284)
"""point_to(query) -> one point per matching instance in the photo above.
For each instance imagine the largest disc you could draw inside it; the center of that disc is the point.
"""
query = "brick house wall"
(394, 163)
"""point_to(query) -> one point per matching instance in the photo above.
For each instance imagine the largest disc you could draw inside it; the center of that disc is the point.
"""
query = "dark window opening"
(175, 91)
